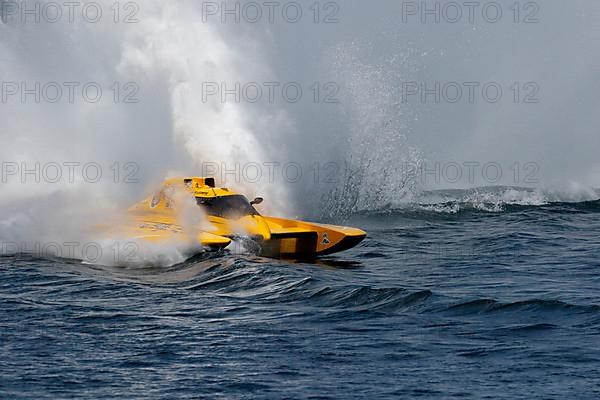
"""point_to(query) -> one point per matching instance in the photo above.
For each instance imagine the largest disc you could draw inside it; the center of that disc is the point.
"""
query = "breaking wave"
(492, 200)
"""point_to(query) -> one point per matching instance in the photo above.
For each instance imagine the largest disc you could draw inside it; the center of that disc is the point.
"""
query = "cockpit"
(234, 206)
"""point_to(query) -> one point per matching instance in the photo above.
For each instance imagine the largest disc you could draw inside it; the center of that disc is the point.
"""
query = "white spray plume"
(171, 44)
(168, 54)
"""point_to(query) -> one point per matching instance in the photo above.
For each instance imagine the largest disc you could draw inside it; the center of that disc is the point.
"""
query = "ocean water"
(457, 299)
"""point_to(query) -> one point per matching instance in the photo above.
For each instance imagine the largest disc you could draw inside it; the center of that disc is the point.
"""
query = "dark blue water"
(469, 303)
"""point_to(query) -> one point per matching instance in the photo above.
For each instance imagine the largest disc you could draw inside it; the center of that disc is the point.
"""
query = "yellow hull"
(299, 239)
(163, 218)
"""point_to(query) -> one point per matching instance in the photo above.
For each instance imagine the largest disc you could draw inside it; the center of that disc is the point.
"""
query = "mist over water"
(369, 148)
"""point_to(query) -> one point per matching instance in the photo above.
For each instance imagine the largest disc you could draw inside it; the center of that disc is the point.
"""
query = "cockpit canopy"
(234, 206)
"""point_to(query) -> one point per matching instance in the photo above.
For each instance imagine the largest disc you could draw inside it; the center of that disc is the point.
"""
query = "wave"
(371, 299)
(252, 279)
(485, 306)
(499, 199)
(255, 281)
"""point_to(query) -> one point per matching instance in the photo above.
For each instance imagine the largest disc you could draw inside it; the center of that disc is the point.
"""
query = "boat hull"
(299, 239)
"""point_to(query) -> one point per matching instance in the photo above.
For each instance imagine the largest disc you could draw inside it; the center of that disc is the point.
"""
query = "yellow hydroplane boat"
(173, 215)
